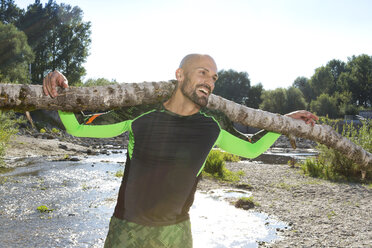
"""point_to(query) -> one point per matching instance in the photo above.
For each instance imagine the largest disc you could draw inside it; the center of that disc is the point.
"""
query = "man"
(167, 150)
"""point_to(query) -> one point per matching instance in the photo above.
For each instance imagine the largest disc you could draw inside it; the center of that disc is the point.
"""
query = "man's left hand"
(304, 115)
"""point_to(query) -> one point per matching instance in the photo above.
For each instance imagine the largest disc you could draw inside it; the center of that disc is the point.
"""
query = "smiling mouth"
(204, 91)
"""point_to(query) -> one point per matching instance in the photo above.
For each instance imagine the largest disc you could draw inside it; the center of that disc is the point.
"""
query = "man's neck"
(181, 105)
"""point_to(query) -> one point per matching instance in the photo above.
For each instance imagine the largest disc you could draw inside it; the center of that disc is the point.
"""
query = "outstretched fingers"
(51, 81)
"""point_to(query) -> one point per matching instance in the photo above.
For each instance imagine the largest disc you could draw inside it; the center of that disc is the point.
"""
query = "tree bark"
(30, 97)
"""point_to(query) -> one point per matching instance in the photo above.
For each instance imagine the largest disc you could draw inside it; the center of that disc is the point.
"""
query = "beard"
(190, 93)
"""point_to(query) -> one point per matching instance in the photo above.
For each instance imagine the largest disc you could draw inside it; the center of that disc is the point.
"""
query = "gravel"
(320, 213)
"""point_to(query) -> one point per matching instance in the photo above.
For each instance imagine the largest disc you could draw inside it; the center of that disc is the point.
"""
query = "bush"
(8, 127)
(333, 165)
(215, 166)
(325, 105)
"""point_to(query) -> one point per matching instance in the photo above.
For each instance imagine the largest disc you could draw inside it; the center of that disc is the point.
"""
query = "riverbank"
(319, 213)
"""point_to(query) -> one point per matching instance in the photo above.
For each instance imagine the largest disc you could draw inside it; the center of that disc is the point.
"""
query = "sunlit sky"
(274, 41)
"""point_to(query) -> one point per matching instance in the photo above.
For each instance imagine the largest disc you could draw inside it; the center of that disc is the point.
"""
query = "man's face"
(199, 78)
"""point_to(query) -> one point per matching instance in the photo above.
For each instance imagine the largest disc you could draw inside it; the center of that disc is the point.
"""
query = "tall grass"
(215, 166)
(8, 127)
(333, 165)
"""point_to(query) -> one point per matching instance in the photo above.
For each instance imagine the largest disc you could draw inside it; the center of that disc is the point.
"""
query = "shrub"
(8, 127)
(215, 166)
(333, 165)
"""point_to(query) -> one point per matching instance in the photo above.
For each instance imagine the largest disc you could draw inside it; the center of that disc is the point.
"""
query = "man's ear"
(179, 75)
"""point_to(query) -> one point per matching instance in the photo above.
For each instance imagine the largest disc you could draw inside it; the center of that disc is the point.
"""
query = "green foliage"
(42, 130)
(274, 100)
(246, 203)
(59, 38)
(9, 12)
(295, 100)
(44, 209)
(15, 55)
(8, 127)
(302, 83)
(99, 82)
(254, 96)
(230, 157)
(215, 166)
(333, 165)
(233, 85)
(358, 79)
(119, 173)
(283, 100)
(325, 105)
(55, 130)
(322, 81)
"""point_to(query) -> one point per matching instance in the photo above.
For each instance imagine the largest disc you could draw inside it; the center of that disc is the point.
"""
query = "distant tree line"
(336, 89)
(40, 39)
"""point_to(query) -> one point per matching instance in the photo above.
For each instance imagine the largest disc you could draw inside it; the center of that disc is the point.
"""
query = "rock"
(64, 147)
(74, 159)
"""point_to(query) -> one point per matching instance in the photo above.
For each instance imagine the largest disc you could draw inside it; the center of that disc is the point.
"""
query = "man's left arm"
(234, 145)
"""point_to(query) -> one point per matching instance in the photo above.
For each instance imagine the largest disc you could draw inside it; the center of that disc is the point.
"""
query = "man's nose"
(210, 82)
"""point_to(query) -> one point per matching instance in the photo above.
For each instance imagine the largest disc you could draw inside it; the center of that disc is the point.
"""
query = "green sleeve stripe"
(218, 124)
(237, 146)
(131, 134)
(93, 131)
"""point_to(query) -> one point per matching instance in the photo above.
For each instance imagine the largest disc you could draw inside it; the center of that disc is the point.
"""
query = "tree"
(274, 101)
(119, 95)
(59, 39)
(295, 100)
(322, 82)
(15, 55)
(303, 84)
(358, 79)
(233, 85)
(9, 12)
(74, 39)
(99, 82)
(325, 105)
(283, 100)
(336, 67)
(254, 96)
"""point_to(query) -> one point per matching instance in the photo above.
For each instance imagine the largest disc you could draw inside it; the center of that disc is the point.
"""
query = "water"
(82, 196)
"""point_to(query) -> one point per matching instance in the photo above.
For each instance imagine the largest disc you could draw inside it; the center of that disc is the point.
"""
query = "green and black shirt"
(166, 154)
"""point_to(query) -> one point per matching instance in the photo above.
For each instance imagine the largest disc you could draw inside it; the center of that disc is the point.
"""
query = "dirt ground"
(25, 146)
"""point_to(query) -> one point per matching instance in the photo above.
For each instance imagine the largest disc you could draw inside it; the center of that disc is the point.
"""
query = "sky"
(274, 41)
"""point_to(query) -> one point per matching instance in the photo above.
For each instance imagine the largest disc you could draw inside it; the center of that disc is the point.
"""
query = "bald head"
(194, 58)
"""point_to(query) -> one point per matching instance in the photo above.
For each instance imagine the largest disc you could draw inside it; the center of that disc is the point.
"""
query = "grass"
(333, 165)
(246, 203)
(215, 166)
(331, 214)
(44, 209)
(119, 173)
(285, 186)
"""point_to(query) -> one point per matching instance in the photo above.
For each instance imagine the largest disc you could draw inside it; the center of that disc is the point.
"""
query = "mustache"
(204, 85)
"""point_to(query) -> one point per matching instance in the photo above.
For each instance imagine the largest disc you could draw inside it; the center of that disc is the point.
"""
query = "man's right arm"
(56, 79)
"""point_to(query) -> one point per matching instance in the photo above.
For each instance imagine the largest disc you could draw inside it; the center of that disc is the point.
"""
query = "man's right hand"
(51, 81)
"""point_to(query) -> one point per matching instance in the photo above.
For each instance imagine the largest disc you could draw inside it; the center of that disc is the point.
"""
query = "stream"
(76, 200)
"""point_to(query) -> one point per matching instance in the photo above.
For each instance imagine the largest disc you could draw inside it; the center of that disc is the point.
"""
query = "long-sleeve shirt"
(166, 155)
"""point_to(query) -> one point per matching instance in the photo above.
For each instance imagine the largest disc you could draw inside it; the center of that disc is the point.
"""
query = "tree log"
(31, 97)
